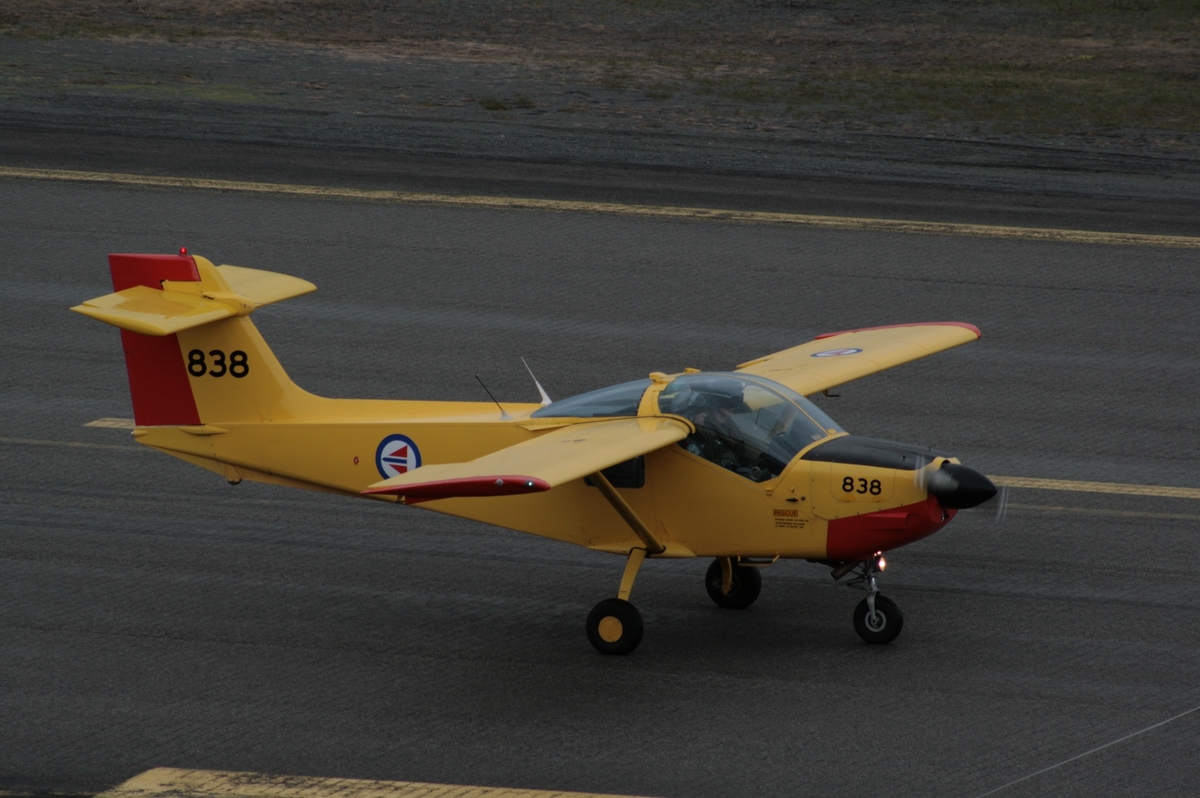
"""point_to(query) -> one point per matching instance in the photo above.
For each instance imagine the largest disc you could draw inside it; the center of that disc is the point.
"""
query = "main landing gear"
(614, 626)
(732, 586)
(877, 619)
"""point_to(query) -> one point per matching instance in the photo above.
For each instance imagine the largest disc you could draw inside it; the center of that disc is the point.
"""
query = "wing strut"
(625, 511)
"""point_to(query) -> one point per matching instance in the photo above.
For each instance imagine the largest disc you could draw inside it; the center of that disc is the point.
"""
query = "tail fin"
(192, 355)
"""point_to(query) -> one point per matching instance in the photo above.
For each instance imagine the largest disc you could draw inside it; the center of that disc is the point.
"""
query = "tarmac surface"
(152, 615)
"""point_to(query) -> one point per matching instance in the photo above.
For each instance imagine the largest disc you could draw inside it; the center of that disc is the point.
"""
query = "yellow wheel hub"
(611, 629)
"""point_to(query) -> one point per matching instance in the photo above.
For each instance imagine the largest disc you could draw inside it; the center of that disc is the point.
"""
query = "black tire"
(614, 626)
(747, 584)
(887, 624)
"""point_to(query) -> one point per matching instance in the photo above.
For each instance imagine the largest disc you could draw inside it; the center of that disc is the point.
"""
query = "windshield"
(615, 400)
(751, 426)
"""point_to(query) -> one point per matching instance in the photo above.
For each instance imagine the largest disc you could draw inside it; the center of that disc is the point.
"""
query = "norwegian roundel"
(837, 352)
(397, 455)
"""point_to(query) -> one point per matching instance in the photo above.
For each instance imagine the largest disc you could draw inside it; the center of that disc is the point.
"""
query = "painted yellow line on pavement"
(1116, 488)
(647, 211)
(71, 444)
(176, 783)
(112, 423)
(1046, 508)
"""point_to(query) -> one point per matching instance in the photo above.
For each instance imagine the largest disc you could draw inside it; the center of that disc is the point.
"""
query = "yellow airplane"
(738, 466)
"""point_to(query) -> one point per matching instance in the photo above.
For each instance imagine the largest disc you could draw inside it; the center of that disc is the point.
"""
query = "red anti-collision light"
(183, 252)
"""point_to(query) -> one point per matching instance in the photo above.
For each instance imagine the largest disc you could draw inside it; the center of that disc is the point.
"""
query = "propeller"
(956, 487)
(1002, 505)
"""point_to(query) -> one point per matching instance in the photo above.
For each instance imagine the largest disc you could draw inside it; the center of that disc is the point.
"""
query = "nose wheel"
(879, 624)
(877, 619)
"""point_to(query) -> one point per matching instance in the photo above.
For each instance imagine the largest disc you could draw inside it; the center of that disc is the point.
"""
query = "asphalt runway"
(152, 615)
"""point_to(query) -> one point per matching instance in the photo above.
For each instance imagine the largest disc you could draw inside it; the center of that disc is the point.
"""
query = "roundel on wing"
(397, 455)
(837, 352)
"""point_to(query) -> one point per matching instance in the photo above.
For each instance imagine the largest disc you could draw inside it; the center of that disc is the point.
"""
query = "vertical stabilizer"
(191, 354)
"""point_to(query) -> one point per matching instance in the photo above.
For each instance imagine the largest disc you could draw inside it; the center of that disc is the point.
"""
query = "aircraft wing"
(836, 358)
(544, 462)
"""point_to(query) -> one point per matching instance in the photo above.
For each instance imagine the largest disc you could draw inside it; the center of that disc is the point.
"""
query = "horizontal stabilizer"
(551, 459)
(171, 306)
(263, 287)
(836, 358)
(151, 312)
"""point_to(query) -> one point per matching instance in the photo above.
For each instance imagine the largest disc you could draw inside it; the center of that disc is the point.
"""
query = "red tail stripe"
(158, 379)
(150, 270)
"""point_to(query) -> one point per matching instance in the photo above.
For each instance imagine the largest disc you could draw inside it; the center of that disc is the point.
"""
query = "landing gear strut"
(877, 619)
(614, 626)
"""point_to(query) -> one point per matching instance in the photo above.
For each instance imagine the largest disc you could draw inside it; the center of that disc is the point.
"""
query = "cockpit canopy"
(615, 400)
(747, 424)
(752, 426)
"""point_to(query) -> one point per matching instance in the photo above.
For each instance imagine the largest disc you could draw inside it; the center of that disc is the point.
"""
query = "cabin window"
(615, 400)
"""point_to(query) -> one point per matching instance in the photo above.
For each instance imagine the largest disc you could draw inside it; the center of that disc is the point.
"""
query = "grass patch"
(1038, 101)
(616, 80)
(659, 91)
(1038, 67)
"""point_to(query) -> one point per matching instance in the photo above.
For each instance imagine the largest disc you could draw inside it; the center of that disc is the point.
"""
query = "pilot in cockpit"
(711, 410)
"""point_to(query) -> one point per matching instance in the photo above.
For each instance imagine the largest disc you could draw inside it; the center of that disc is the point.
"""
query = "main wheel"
(614, 626)
(745, 587)
(884, 626)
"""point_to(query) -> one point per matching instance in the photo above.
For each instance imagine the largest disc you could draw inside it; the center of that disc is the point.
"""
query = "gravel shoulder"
(456, 106)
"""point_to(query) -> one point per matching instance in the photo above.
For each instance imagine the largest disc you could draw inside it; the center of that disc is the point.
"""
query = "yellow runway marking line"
(176, 783)
(1045, 508)
(1115, 488)
(112, 423)
(71, 444)
(645, 211)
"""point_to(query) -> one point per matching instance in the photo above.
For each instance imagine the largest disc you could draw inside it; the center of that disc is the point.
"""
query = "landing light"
(882, 563)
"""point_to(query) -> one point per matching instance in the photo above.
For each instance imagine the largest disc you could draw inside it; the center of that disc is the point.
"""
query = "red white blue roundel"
(397, 455)
(837, 352)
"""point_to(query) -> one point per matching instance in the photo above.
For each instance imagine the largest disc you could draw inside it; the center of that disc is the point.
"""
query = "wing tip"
(963, 324)
(494, 485)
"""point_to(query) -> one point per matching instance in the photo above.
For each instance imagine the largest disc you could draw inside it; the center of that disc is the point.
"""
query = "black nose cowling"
(958, 487)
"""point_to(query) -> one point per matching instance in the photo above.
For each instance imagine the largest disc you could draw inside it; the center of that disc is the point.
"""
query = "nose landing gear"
(879, 624)
(877, 619)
